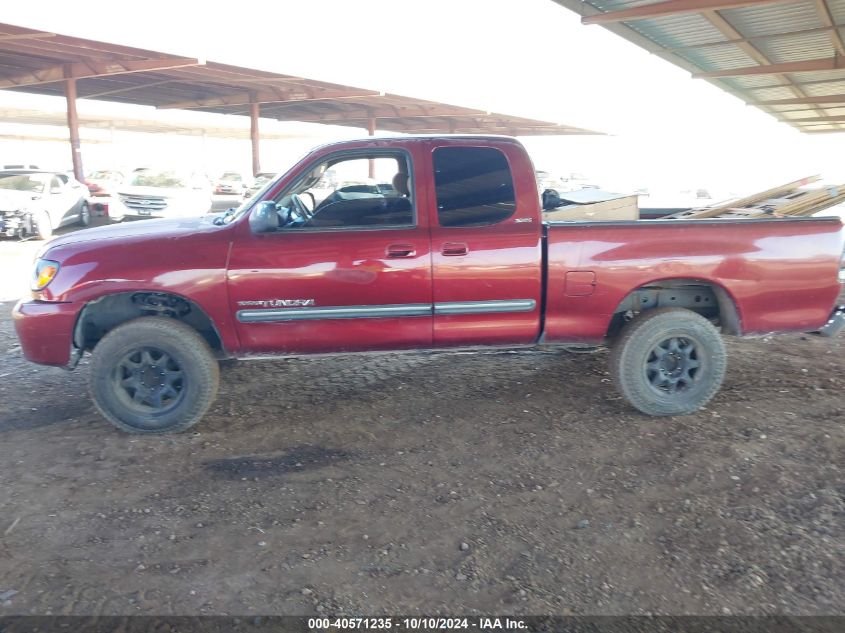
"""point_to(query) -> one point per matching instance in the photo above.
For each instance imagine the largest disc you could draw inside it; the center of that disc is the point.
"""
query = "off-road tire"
(42, 225)
(190, 354)
(632, 361)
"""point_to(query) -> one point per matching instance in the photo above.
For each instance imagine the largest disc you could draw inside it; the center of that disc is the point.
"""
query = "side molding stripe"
(386, 311)
(484, 307)
(335, 312)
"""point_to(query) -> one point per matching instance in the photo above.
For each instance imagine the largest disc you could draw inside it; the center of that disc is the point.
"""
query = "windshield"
(22, 182)
(157, 178)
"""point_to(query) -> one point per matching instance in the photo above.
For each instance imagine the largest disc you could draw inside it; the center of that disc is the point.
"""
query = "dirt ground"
(456, 484)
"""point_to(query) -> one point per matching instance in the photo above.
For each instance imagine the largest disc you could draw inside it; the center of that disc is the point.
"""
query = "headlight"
(45, 270)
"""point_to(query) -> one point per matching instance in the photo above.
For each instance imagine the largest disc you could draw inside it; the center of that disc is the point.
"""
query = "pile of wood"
(791, 199)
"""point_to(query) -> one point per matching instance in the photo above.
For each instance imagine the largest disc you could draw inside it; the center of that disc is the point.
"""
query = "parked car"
(261, 179)
(230, 182)
(160, 193)
(461, 258)
(103, 183)
(35, 203)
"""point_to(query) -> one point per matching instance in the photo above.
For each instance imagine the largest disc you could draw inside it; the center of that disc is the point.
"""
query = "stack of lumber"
(792, 199)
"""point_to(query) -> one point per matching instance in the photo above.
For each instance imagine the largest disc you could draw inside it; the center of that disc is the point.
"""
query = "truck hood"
(140, 231)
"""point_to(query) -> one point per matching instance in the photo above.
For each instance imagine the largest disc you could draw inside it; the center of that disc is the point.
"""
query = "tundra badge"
(278, 303)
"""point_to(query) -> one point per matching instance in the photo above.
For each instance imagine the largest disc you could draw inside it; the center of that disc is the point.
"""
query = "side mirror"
(55, 190)
(551, 200)
(264, 218)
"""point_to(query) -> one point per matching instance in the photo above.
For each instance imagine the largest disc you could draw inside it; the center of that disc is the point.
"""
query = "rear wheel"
(153, 375)
(668, 361)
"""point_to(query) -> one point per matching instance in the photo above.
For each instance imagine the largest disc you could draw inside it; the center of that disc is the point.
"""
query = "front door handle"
(454, 249)
(401, 250)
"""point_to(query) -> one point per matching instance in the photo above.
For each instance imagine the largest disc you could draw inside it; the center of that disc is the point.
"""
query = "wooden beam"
(808, 65)
(94, 68)
(274, 96)
(825, 99)
(670, 7)
(25, 36)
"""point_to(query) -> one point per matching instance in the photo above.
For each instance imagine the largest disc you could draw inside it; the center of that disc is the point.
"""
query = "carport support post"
(73, 128)
(253, 135)
(371, 130)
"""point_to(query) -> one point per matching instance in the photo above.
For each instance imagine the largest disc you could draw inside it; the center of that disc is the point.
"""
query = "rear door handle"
(454, 249)
(401, 250)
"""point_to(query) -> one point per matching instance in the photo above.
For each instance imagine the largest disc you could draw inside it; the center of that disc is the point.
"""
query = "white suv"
(161, 193)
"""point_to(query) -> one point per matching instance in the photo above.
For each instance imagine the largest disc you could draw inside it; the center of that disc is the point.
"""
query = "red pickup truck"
(426, 242)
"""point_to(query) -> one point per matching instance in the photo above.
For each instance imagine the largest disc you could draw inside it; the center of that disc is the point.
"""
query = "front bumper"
(16, 225)
(45, 330)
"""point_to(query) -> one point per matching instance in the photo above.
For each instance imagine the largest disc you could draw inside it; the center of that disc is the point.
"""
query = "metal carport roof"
(786, 57)
(38, 62)
(53, 64)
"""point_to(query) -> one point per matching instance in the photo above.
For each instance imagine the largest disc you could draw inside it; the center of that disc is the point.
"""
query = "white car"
(34, 202)
(161, 193)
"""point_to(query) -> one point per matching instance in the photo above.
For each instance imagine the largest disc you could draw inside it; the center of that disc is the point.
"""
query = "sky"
(532, 58)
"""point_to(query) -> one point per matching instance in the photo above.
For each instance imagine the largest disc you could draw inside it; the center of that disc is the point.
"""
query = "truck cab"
(451, 256)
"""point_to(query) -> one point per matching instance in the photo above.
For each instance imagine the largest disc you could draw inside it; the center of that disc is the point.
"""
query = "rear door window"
(474, 186)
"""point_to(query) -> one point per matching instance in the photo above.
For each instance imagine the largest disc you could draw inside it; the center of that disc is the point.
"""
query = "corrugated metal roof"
(769, 19)
(751, 82)
(617, 5)
(830, 88)
(765, 94)
(827, 75)
(719, 58)
(708, 38)
(797, 48)
(837, 9)
(677, 31)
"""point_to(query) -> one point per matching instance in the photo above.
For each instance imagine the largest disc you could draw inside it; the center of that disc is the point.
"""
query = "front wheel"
(42, 225)
(668, 361)
(153, 375)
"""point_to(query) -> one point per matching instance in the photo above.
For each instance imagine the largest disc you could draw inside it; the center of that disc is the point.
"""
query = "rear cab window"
(474, 186)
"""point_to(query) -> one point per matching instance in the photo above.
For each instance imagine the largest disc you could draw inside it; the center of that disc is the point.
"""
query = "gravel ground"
(420, 483)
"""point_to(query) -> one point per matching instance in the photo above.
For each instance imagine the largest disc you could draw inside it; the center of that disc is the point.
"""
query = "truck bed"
(780, 273)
